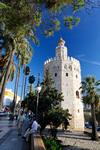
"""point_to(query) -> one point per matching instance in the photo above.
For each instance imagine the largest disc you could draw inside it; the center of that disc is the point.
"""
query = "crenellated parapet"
(50, 60)
(73, 60)
(70, 59)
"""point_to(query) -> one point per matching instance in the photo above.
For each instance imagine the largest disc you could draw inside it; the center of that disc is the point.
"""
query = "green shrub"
(52, 144)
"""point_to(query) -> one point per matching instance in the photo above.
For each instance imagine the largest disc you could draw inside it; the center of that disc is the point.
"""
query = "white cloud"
(80, 57)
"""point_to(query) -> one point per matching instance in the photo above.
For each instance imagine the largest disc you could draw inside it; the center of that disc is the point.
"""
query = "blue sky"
(83, 43)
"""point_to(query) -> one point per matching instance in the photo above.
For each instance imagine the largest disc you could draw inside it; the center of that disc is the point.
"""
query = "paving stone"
(79, 142)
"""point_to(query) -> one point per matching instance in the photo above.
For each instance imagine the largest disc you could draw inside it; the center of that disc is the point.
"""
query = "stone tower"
(66, 73)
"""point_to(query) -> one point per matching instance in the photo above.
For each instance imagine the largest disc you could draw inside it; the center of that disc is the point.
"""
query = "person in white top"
(35, 126)
(34, 129)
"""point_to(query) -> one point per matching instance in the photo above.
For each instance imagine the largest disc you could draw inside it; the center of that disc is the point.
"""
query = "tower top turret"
(61, 42)
(61, 50)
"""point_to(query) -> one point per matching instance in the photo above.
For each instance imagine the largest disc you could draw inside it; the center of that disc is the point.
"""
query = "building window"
(70, 67)
(77, 94)
(55, 74)
(78, 110)
(76, 76)
(66, 74)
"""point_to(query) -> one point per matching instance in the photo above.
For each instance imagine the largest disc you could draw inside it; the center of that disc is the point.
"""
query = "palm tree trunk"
(2, 80)
(23, 84)
(17, 80)
(17, 85)
(30, 88)
(94, 131)
(15, 89)
(6, 77)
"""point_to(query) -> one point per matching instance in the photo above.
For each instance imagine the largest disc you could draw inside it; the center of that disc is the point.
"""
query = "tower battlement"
(50, 60)
(71, 59)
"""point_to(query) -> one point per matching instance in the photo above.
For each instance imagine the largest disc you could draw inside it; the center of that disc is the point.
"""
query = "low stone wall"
(37, 142)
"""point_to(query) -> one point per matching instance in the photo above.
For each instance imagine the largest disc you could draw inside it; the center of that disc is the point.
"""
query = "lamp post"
(38, 89)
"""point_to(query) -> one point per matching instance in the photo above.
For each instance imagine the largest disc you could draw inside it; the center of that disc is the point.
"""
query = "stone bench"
(37, 142)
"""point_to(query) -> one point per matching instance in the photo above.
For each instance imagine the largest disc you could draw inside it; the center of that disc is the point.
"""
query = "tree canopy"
(49, 105)
(22, 17)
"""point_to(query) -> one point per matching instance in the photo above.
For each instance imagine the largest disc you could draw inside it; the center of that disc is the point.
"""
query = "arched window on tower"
(77, 94)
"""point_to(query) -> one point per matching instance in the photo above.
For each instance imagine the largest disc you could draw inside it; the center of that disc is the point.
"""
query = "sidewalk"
(13, 142)
(6, 126)
(9, 139)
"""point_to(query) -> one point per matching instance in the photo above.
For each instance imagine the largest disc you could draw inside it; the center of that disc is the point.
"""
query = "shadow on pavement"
(68, 147)
(26, 146)
(75, 137)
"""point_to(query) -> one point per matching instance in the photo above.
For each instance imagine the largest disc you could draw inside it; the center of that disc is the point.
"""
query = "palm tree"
(7, 70)
(24, 55)
(21, 48)
(31, 81)
(3, 63)
(15, 37)
(90, 90)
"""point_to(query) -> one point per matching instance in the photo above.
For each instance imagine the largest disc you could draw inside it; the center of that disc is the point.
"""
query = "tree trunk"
(1, 83)
(14, 100)
(17, 80)
(30, 88)
(15, 89)
(17, 85)
(23, 84)
(94, 131)
(5, 78)
(37, 102)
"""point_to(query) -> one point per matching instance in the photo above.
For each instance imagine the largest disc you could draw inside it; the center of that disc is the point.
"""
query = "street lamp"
(38, 89)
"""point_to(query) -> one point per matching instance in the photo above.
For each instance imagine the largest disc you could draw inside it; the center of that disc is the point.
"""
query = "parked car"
(2, 113)
(88, 125)
(98, 128)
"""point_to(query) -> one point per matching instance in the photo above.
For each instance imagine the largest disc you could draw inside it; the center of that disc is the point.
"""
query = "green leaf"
(48, 32)
(71, 21)
(3, 6)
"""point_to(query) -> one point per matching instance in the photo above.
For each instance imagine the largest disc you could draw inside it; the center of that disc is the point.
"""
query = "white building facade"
(66, 73)
(8, 97)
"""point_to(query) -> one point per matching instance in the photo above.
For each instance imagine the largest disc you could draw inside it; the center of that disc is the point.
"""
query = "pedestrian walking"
(20, 122)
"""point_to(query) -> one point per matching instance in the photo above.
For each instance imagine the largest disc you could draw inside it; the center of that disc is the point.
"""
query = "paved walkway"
(9, 139)
(13, 142)
(78, 141)
(6, 126)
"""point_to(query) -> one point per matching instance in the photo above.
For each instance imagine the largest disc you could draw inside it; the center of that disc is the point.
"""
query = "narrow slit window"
(55, 74)
(77, 94)
(66, 74)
